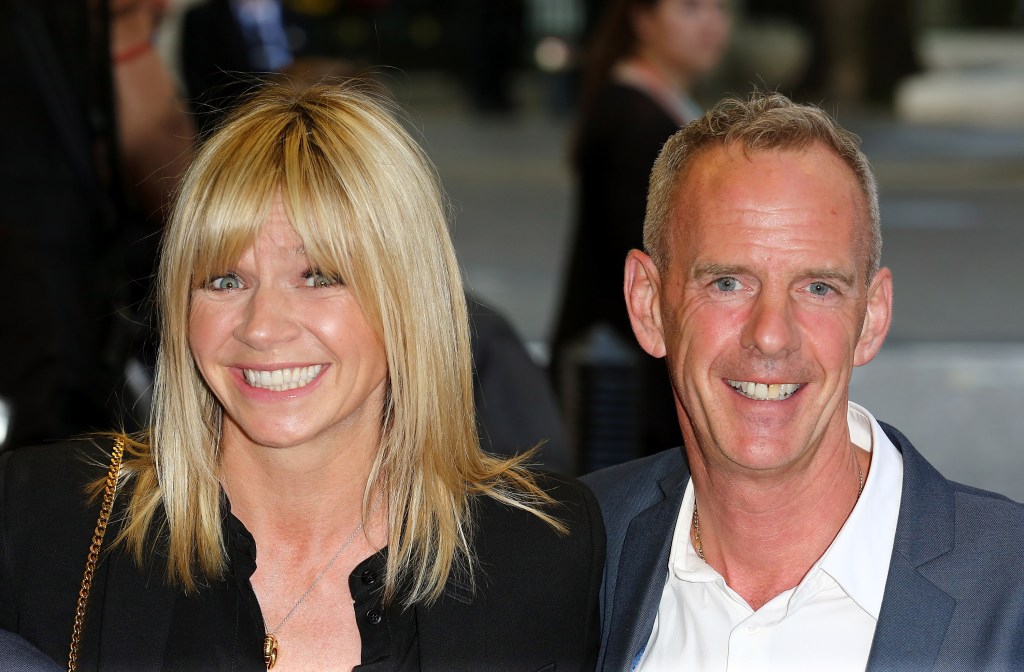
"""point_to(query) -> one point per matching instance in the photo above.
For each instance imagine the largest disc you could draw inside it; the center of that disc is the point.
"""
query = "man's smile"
(764, 391)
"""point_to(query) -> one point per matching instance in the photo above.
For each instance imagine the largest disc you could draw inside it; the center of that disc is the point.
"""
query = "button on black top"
(388, 632)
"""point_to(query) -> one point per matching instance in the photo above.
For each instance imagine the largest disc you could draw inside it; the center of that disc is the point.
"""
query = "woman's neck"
(658, 71)
(297, 493)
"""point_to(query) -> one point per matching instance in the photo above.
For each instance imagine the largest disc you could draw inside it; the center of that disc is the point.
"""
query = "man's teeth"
(280, 380)
(763, 391)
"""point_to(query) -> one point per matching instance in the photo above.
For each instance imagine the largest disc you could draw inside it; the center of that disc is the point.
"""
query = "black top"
(535, 603)
(618, 145)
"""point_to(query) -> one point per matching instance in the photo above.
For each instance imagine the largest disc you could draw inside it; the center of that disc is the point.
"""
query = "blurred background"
(491, 88)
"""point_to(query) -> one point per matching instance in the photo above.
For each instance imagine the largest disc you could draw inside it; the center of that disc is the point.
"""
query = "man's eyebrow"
(703, 270)
(834, 274)
(711, 269)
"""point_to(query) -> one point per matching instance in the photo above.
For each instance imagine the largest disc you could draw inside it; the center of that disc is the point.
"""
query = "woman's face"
(686, 36)
(286, 350)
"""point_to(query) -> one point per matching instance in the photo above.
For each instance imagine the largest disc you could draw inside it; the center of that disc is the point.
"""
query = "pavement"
(951, 375)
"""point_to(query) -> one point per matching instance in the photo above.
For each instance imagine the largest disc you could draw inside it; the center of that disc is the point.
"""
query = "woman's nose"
(268, 319)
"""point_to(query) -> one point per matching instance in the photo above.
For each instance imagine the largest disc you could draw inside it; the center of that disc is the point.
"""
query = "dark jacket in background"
(62, 221)
(216, 63)
(515, 406)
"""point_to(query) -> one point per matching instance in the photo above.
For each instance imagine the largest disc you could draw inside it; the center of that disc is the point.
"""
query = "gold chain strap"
(94, 551)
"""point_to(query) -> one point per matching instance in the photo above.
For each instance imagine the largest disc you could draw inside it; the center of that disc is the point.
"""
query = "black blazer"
(535, 606)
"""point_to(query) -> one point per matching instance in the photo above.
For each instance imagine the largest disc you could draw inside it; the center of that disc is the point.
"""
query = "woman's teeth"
(280, 380)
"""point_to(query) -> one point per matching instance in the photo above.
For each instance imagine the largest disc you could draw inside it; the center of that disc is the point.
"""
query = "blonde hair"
(366, 203)
(765, 122)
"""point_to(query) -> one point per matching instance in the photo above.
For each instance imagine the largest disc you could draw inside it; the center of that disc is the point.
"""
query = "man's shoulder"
(990, 522)
(627, 476)
(940, 517)
(623, 491)
(968, 500)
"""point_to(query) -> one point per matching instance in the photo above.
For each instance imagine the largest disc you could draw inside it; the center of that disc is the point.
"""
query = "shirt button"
(369, 577)
(753, 630)
(373, 616)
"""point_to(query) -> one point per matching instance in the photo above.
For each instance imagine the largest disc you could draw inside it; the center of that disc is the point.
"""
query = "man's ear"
(877, 318)
(642, 287)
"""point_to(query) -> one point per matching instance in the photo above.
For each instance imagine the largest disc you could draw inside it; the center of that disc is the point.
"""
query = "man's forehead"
(727, 191)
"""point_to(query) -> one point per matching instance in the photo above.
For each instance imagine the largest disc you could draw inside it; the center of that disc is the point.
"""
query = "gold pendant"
(270, 650)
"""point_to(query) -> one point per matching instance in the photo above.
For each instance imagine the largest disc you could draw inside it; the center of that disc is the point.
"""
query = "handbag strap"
(110, 488)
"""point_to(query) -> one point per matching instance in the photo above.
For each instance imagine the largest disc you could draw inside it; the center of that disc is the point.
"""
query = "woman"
(643, 62)
(311, 493)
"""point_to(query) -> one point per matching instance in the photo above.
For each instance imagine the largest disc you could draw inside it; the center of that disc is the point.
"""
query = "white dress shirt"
(825, 623)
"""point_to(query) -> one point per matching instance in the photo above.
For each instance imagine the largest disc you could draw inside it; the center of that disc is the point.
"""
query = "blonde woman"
(311, 494)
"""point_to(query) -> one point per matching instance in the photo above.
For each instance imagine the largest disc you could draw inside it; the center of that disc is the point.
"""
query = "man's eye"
(727, 284)
(225, 282)
(315, 278)
(819, 289)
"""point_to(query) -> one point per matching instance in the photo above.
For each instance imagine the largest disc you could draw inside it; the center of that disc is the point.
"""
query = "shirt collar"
(858, 558)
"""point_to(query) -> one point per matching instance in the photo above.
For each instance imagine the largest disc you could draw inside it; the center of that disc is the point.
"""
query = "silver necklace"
(699, 547)
(271, 644)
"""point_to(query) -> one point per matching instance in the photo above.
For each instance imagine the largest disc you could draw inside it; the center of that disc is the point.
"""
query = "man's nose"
(772, 327)
(268, 319)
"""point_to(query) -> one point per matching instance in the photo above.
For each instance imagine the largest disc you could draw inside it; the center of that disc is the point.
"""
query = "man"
(793, 530)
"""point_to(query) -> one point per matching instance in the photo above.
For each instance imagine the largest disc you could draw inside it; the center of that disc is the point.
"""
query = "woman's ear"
(642, 289)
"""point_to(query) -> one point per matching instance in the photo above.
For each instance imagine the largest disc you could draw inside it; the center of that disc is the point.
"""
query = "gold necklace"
(699, 547)
(271, 644)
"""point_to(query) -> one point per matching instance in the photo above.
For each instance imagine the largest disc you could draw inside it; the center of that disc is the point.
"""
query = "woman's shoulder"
(533, 599)
(567, 536)
(47, 517)
(618, 102)
(46, 495)
(570, 503)
(62, 470)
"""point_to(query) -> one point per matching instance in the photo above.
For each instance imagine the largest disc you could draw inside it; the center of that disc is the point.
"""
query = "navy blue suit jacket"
(954, 596)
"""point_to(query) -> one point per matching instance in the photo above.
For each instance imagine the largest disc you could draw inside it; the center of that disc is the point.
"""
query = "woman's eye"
(317, 279)
(819, 289)
(727, 284)
(225, 282)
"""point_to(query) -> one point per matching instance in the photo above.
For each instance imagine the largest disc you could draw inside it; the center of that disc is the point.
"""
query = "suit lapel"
(915, 612)
(641, 574)
(913, 621)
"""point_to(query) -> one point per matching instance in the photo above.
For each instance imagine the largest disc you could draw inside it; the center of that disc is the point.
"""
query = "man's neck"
(764, 534)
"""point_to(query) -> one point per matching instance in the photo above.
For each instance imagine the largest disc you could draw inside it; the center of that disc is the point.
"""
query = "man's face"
(763, 309)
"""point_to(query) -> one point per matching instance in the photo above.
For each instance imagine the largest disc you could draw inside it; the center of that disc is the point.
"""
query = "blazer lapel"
(641, 574)
(915, 612)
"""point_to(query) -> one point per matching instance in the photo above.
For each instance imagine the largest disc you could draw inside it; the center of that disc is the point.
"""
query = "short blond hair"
(764, 122)
(366, 203)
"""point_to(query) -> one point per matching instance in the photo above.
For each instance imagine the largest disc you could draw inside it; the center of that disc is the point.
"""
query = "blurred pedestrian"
(639, 73)
(93, 140)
